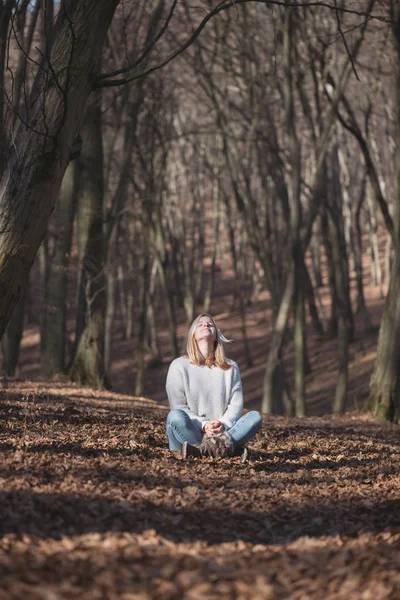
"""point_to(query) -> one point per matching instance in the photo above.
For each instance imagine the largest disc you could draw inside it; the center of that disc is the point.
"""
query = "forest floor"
(93, 505)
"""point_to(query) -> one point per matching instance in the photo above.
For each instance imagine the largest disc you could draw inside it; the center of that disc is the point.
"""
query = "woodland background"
(253, 176)
(159, 159)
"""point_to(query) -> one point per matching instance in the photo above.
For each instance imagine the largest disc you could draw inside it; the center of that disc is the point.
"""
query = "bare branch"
(146, 51)
(344, 40)
(103, 81)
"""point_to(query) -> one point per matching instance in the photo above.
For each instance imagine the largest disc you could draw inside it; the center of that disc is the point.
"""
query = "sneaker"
(217, 446)
(189, 450)
(205, 450)
(243, 452)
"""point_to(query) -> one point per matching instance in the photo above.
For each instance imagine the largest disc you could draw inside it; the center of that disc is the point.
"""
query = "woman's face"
(205, 330)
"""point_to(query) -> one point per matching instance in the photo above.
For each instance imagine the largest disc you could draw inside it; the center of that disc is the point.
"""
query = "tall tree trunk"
(216, 225)
(336, 228)
(238, 282)
(151, 321)
(315, 248)
(170, 306)
(339, 245)
(88, 365)
(144, 291)
(111, 292)
(376, 270)
(309, 294)
(112, 277)
(5, 14)
(272, 371)
(123, 300)
(387, 261)
(300, 353)
(333, 324)
(42, 146)
(384, 398)
(295, 212)
(343, 327)
(24, 50)
(54, 309)
(128, 293)
(356, 238)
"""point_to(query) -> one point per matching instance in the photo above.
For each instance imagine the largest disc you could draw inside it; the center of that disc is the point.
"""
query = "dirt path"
(94, 506)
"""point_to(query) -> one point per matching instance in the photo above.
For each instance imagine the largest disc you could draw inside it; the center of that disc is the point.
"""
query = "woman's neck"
(205, 347)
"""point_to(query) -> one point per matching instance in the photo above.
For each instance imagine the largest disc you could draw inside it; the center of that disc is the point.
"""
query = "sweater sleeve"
(234, 409)
(176, 392)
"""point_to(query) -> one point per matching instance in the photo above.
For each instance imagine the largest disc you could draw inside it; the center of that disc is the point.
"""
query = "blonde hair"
(217, 357)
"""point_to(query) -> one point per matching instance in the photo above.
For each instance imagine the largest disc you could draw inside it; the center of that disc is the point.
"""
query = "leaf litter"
(94, 505)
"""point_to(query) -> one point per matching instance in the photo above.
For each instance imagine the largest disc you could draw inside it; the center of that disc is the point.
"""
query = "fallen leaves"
(93, 506)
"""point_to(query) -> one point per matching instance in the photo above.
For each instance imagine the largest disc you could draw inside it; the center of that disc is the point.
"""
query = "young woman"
(204, 390)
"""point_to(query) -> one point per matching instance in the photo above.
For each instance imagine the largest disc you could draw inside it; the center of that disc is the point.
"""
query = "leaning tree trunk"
(41, 149)
(88, 365)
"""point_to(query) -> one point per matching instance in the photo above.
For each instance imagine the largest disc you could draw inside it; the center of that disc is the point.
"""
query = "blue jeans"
(181, 428)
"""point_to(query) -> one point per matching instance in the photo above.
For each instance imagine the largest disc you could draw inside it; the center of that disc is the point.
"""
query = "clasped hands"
(213, 427)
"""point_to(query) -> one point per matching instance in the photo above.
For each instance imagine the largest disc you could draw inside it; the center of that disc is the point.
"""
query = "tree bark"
(144, 292)
(295, 212)
(238, 282)
(344, 325)
(5, 15)
(24, 50)
(54, 310)
(356, 237)
(271, 371)
(151, 321)
(111, 293)
(88, 364)
(384, 398)
(341, 282)
(42, 147)
(376, 270)
(11, 342)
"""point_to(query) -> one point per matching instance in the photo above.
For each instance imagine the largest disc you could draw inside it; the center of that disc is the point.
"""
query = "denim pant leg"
(181, 428)
(246, 428)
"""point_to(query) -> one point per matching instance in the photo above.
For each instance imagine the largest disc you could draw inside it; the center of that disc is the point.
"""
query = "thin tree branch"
(146, 51)
(344, 40)
(102, 81)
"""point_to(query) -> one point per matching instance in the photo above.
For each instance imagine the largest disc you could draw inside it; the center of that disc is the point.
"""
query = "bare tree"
(41, 149)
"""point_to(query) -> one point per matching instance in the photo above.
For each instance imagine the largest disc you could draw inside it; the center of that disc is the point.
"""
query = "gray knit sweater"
(205, 393)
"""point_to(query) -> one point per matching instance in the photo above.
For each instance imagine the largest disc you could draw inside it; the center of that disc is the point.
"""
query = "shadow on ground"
(55, 516)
